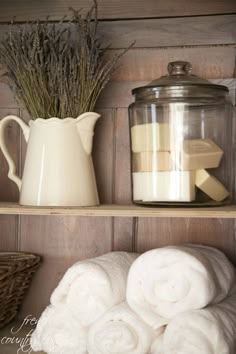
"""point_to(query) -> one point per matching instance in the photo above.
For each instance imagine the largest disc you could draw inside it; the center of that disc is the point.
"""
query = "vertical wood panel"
(152, 233)
(61, 241)
(8, 233)
(234, 151)
(123, 234)
(103, 154)
(123, 228)
(7, 97)
(122, 188)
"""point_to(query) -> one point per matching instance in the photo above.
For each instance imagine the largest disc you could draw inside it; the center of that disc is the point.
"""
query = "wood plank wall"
(115, 9)
(208, 42)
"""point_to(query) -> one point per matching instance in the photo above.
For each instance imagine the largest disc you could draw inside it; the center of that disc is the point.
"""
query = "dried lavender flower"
(57, 70)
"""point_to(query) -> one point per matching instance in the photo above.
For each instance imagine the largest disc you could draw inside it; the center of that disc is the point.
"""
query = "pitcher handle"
(11, 164)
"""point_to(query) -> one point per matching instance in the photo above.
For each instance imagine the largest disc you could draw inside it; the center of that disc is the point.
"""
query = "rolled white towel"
(59, 332)
(91, 287)
(120, 331)
(207, 331)
(167, 281)
(157, 346)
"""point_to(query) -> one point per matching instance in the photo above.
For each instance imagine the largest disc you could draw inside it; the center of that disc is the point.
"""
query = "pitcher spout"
(85, 125)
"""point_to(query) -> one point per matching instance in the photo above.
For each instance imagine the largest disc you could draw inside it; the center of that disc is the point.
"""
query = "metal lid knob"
(179, 68)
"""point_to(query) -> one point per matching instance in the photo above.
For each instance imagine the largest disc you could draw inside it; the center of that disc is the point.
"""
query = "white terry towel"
(167, 281)
(157, 346)
(208, 331)
(58, 332)
(120, 331)
(91, 287)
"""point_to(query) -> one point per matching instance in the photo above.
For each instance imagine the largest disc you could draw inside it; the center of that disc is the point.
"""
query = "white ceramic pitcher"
(58, 168)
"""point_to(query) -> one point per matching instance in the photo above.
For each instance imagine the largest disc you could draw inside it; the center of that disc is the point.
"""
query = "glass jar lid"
(179, 82)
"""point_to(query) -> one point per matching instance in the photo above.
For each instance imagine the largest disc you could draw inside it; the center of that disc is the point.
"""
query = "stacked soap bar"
(166, 172)
(164, 186)
(150, 137)
(148, 161)
(211, 186)
(199, 153)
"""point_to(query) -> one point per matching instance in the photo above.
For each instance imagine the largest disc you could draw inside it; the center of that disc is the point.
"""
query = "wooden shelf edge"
(227, 212)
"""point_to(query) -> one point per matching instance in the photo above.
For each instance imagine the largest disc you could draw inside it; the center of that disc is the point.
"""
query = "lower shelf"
(227, 212)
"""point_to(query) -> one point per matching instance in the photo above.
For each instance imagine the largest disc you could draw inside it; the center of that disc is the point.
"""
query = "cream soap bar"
(178, 186)
(151, 161)
(211, 186)
(150, 137)
(199, 154)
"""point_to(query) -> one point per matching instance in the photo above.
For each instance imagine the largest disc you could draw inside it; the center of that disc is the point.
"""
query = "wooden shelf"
(226, 212)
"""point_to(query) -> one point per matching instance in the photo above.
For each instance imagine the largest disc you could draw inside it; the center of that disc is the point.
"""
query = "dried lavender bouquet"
(57, 70)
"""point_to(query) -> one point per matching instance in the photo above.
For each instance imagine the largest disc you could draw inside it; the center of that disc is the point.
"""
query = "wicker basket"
(16, 271)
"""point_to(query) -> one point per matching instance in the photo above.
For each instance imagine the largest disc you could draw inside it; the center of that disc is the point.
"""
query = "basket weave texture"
(16, 271)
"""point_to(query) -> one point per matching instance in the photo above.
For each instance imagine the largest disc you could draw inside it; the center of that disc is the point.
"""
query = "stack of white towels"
(171, 300)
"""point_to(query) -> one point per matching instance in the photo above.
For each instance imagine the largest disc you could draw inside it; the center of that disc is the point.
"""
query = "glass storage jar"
(181, 137)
